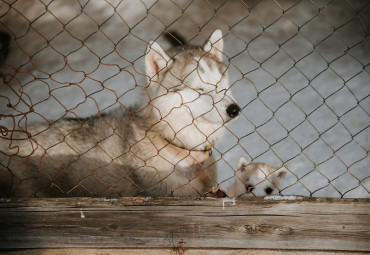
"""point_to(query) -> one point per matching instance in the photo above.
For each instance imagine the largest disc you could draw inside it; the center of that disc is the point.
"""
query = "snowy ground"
(300, 72)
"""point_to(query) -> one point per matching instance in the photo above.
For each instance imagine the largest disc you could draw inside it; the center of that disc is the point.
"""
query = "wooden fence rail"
(292, 223)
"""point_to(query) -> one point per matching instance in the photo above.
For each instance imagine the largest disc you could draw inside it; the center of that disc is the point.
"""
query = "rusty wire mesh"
(299, 70)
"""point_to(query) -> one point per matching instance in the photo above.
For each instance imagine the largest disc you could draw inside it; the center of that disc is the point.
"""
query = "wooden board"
(83, 251)
(256, 223)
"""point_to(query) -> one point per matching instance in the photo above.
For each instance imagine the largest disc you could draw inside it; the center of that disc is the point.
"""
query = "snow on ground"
(300, 72)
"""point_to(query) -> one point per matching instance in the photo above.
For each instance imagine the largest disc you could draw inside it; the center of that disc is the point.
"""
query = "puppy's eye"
(249, 188)
(269, 190)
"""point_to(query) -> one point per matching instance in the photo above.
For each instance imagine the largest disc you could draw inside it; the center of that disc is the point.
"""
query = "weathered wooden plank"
(79, 251)
(307, 224)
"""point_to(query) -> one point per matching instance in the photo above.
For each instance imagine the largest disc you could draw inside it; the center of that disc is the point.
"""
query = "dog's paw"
(216, 193)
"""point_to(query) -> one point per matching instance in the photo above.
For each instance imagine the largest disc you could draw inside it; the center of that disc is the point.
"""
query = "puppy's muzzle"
(233, 110)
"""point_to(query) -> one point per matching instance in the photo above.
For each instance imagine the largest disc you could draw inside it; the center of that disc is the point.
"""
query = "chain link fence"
(72, 71)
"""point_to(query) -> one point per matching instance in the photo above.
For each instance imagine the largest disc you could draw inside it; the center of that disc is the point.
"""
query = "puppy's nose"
(233, 110)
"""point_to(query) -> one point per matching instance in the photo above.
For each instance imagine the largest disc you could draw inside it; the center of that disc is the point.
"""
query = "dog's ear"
(242, 164)
(155, 60)
(281, 173)
(215, 44)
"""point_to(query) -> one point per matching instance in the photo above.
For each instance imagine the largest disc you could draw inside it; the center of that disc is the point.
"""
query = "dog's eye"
(268, 190)
(249, 188)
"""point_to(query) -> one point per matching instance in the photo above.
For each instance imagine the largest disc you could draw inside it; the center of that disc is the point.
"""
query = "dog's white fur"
(156, 149)
(256, 179)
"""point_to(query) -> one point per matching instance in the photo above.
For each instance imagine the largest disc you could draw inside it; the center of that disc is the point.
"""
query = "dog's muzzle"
(233, 110)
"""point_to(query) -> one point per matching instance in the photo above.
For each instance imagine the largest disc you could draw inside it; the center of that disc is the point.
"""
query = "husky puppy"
(256, 179)
(160, 148)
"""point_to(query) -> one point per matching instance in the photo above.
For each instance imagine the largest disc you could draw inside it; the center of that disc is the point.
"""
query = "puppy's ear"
(155, 60)
(215, 44)
(242, 164)
(281, 173)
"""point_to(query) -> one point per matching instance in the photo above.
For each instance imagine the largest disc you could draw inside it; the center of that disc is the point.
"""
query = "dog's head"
(187, 90)
(256, 179)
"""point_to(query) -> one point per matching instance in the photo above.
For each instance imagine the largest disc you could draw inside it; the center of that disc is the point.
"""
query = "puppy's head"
(187, 90)
(257, 179)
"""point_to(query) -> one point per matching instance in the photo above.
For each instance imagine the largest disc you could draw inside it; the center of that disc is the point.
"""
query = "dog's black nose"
(233, 110)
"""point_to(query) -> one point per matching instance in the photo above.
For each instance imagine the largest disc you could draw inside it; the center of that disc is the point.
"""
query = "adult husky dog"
(160, 148)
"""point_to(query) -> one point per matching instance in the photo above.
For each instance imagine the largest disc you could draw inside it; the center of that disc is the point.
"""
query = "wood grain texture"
(83, 251)
(307, 224)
